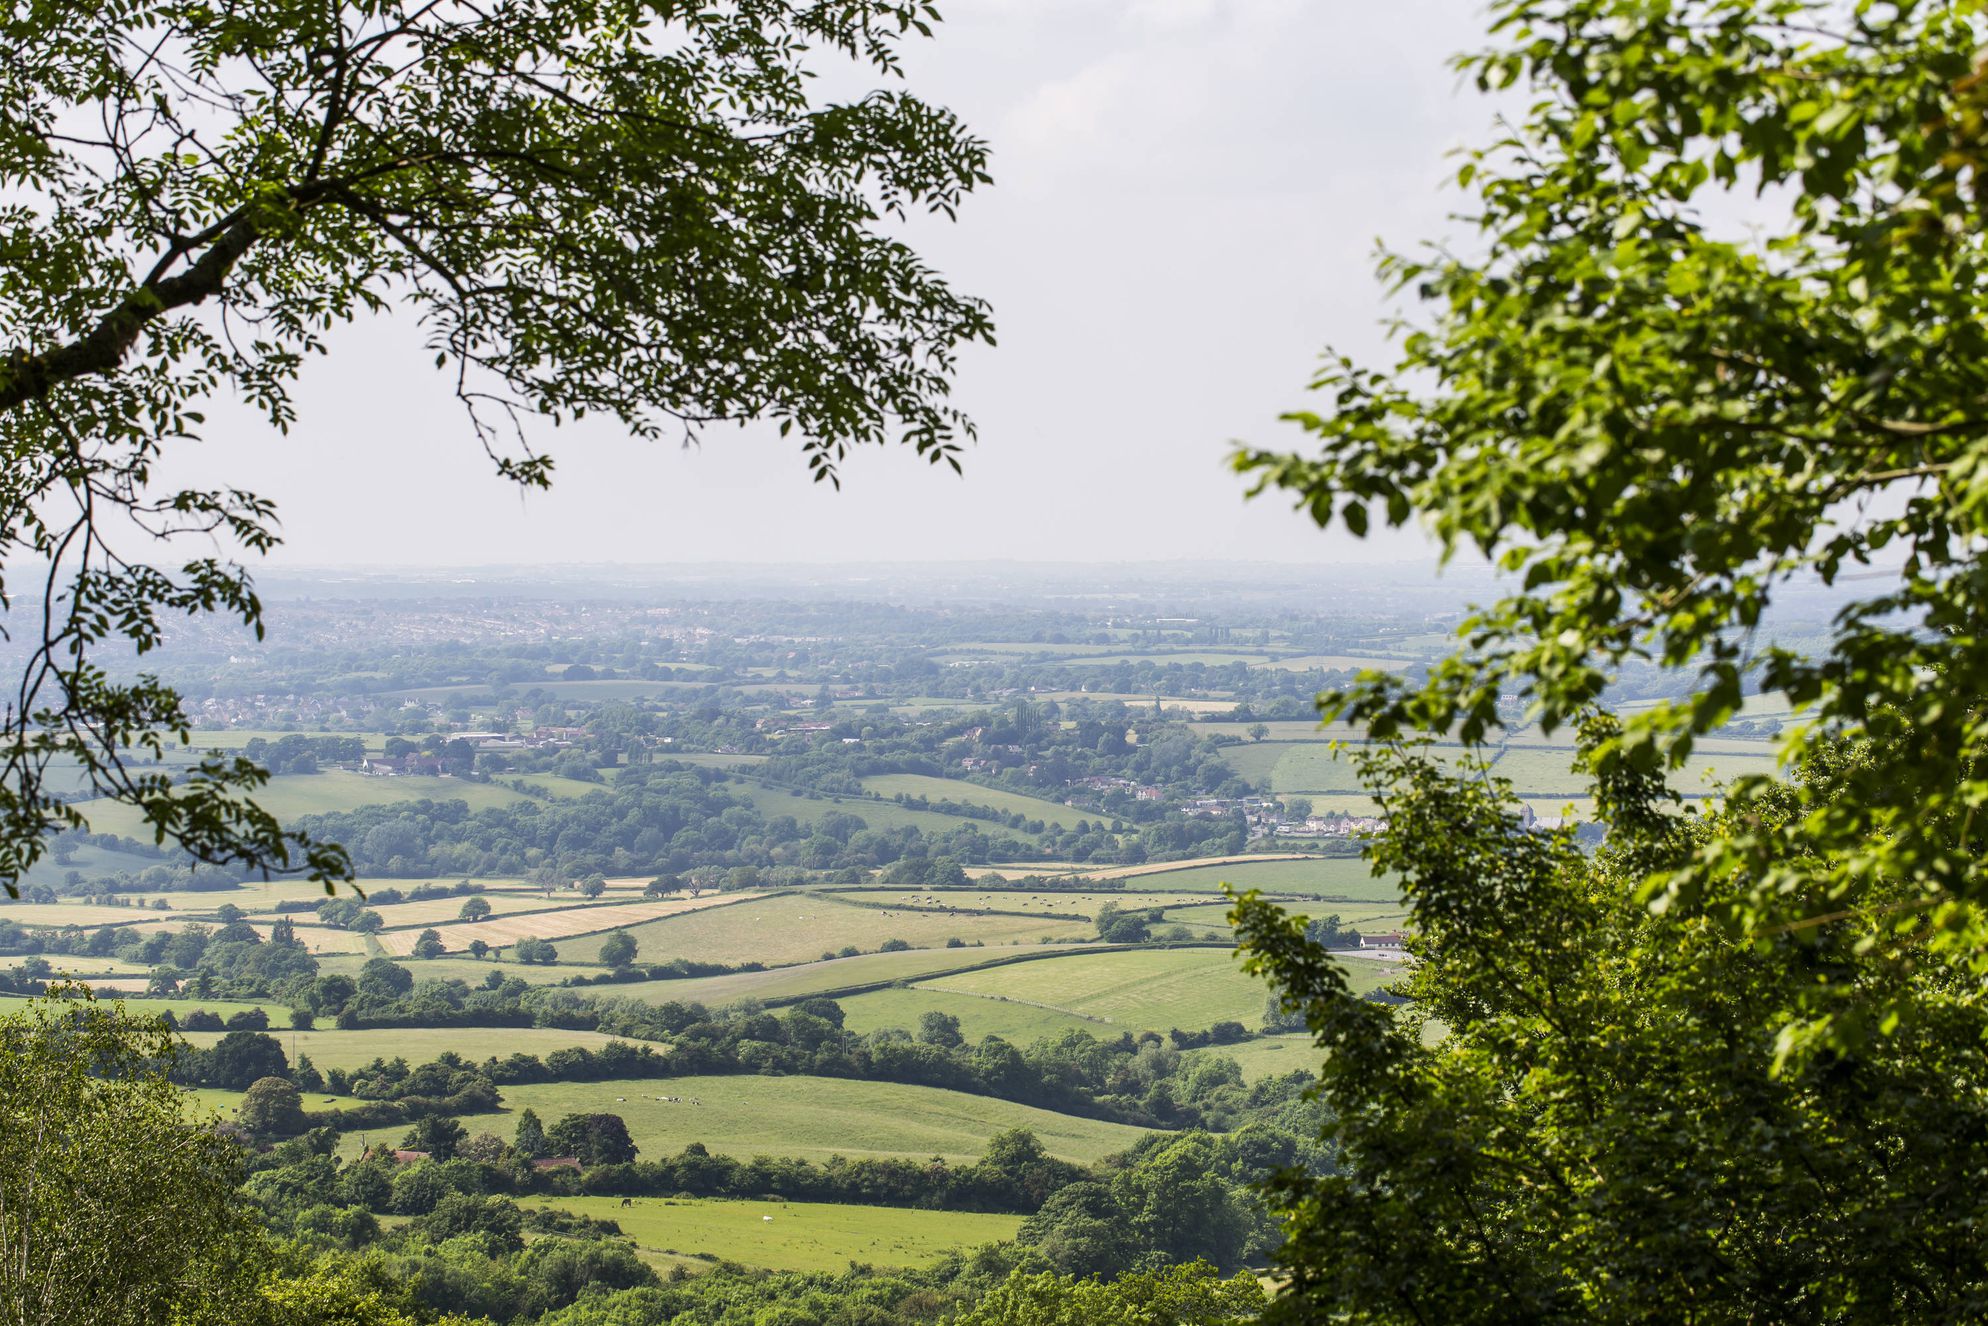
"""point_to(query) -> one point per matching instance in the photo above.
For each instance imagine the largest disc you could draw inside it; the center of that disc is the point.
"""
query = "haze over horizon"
(1166, 263)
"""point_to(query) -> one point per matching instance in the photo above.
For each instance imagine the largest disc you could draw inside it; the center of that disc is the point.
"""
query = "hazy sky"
(1187, 197)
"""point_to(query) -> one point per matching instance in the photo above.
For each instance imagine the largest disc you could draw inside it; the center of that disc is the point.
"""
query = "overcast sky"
(1186, 202)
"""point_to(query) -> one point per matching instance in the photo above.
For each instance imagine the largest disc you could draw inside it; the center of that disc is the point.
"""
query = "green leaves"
(1726, 332)
(595, 208)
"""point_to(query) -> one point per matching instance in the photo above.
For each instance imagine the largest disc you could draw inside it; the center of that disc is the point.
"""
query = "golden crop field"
(559, 923)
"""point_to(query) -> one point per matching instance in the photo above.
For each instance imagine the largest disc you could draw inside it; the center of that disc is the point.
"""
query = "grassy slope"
(978, 1015)
(776, 801)
(800, 927)
(1127, 991)
(805, 978)
(1317, 877)
(792, 1236)
(290, 796)
(353, 1049)
(955, 789)
(814, 1117)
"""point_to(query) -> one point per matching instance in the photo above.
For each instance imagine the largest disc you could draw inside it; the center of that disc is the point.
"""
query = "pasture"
(808, 978)
(470, 970)
(1337, 663)
(748, 1115)
(560, 920)
(292, 795)
(1050, 902)
(1126, 990)
(355, 1049)
(1312, 877)
(800, 927)
(955, 789)
(790, 1236)
(1268, 1056)
(776, 801)
(979, 1016)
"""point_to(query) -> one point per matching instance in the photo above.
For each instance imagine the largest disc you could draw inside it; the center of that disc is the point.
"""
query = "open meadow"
(813, 978)
(1138, 989)
(559, 920)
(798, 927)
(788, 1236)
(973, 794)
(748, 1115)
(335, 1048)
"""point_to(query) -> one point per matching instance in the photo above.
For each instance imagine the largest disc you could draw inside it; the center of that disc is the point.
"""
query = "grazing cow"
(628, 1201)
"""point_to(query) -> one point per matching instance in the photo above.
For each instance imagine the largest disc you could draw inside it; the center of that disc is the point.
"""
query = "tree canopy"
(1718, 336)
(630, 210)
(1722, 332)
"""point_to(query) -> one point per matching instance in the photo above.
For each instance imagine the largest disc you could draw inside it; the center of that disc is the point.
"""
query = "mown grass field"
(776, 801)
(1338, 663)
(141, 1006)
(471, 970)
(978, 1015)
(561, 919)
(71, 913)
(815, 1117)
(1139, 989)
(1269, 1056)
(800, 927)
(1049, 902)
(955, 789)
(1142, 989)
(292, 795)
(791, 1236)
(355, 1049)
(1370, 915)
(808, 978)
(1313, 877)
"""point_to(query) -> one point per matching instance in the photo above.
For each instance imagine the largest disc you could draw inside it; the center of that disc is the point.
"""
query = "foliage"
(115, 1207)
(1602, 1133)
(637, 212)
(1721, 334)
(1189, 1295)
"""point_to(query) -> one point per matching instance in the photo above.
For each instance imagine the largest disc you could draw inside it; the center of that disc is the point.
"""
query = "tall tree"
(116, 1206)
(1729, 1068)
(635, 210)
(1725, 328)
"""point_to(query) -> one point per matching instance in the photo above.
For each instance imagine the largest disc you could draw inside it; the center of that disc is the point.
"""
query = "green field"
(1127, 990)
(776, 801)
(1338, 663)
(1046, 901)
(470, 970)
(1370, 915)
(141, 1006)
(790, 1236)
(354, 1049)
(1316, 877)
(292, 795)
(799, 927)
(807, 978)
(954, 789)
(1269, 1056)
(978, 1016)
(814, 1117)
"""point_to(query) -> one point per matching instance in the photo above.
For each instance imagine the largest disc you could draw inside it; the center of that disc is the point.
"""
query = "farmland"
(790, 1236)
(808, 978)
(953, 789)
(811, 1117)
(354, 1049)
(291, 796)
(799, 927)
(558, 922)
(1136, 990)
